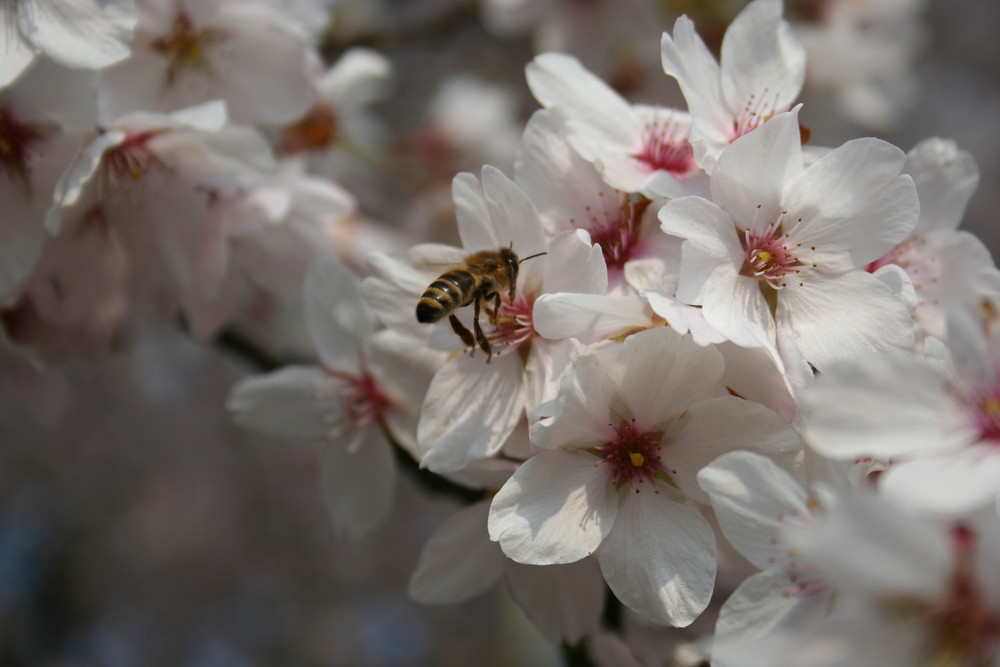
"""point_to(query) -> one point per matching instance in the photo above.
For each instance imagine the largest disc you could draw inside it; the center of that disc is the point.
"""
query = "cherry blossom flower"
(773, 258)
(615, 474)
(459, 561)
(936, 421)
(472, 406)
(188, 52)
(908, 592)
(365, 395)
(947, 266)
(759, 75)
(90, 34)
(569, 193)
(637, 148)
(134, 226)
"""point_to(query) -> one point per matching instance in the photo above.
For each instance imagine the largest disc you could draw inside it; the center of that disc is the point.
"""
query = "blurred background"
(138, 526)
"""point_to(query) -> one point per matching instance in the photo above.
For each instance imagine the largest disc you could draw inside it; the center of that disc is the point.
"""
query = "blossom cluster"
(716, 335)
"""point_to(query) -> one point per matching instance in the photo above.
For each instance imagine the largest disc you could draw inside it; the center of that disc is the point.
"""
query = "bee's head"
(510, 263)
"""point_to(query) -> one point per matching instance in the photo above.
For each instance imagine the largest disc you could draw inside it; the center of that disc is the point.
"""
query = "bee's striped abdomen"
(452, 290)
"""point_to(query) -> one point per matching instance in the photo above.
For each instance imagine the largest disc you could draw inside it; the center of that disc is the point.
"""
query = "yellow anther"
(764, 256)
(637, 459)
(991, 406)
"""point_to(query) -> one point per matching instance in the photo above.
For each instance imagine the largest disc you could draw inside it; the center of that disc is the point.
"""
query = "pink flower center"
(666, 146)
(132, 158)
(364, 402)
(16, 142)
(616, 228)
(513, 324)
(770, 256)
(633, 457)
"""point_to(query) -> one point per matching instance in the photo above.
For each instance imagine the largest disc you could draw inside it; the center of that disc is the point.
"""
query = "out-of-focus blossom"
(134, 226)
(862, 56)
(773, 258)
(759, 75)
(188, 52)
(43, 116)
(615, 473)
(601, 33)
(366, 391)
(88, 34)
(937, 421)
(947, 266)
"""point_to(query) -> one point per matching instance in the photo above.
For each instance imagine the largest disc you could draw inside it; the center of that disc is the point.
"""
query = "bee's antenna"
(537, 254)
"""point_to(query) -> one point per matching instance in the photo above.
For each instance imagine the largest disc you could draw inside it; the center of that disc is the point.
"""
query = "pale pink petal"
(557, 508)
(659, 558)
(683, 318)
(564, 601)
(513, 216)
(358, 485)
(470, 409)
(735, 307)
(574, 265)
(750, 494)
(459, 561)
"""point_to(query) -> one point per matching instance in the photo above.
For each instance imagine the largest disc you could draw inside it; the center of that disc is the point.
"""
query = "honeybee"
(483, 276)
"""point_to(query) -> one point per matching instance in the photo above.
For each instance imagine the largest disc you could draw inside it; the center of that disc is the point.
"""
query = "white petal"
(472, 213)
(470, 409)
(337, 318)
(954, 485)
(883, 407)
(945, 177)
(661, 374)
(564, 601)
(17, 52)
(854, 199)
(758, 609)
(735, 307)
(659, 559)
(575, 265)
(588, 317)
(558, 80)
(751, 373)
(724, 424)
(459, 561)
(294, 402)
(869, 546)
(750, 176)
(357, 78)
(683, 318)
(557, 508)
(750, 494)
(78, 174)
(90, 34)
(512, 215)
(358, 486)
(832, 318)
(761, 57)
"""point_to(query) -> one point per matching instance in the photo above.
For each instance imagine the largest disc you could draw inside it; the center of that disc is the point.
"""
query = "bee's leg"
(496, 307)
(484, 343)
(462, 332)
